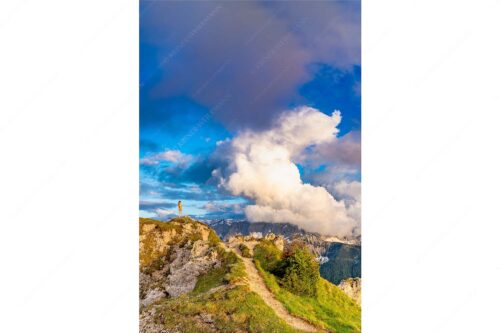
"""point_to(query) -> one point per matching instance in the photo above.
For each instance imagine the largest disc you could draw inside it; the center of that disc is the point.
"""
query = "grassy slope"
(231, 271)
(234, 308)
(331, 309)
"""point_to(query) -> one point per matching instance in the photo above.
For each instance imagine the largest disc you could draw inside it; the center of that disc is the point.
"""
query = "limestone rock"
(187, 266)
(172, 256)
(352, 288)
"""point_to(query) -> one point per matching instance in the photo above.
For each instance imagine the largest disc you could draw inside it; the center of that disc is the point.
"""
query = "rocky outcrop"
(352, 288)
(188, 265)
(147, 323)
(316, 244)
(277, 240)
(172, 256)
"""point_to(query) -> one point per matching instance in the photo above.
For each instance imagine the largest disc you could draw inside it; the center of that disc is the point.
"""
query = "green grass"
(164, 226)
(173, 224)
(213, 239)
(213, 278)
(233, 310)
(236, 272)
(231, 271)
(331, 308)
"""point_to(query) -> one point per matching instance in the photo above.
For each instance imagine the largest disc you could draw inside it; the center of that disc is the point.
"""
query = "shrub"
(267, 254)
(299, 272)
(245, 251)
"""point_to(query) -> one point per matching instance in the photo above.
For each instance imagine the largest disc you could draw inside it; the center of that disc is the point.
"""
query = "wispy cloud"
(173, 156)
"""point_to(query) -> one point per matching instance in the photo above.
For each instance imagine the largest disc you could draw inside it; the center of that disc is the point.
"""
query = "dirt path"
(258, 286)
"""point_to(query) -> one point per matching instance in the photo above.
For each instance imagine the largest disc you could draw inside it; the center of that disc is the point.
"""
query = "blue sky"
(209, 71)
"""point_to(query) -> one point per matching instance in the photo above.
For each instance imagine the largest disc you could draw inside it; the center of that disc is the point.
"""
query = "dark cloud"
(326, 164)
(332, 32)
(345, 150)
(244, 60)
(342, 151)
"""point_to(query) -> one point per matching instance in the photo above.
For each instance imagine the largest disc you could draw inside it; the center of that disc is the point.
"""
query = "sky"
(252, 110)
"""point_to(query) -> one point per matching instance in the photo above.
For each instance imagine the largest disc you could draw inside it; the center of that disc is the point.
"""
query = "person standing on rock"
(179, 205)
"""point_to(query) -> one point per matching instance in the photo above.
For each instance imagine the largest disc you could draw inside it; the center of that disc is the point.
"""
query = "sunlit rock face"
(352, 288)
(172, 255)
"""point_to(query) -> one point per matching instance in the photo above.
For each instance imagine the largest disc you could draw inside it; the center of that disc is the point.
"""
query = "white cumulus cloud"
(260, 166)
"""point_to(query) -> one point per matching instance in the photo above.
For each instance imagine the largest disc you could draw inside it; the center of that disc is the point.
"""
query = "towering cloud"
(260, 166)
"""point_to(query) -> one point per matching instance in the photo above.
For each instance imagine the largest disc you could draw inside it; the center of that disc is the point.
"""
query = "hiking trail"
(257, 285)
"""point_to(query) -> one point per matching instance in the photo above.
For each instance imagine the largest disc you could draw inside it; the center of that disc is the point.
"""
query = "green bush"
(267, 254)
(298, 271)
(245, 251)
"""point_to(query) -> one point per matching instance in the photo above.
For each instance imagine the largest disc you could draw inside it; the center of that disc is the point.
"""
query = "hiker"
(179, 205)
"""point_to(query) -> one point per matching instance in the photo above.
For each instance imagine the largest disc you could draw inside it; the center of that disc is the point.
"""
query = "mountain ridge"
(339, 258)
(191, 281)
